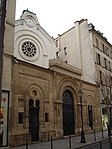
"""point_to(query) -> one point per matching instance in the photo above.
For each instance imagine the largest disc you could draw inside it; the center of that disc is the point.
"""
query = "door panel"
(34, 123)
(68, 113)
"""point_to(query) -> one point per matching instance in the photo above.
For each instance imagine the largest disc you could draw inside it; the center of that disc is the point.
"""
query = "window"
(104, 111)
(65, 50)
(109, 66)
(103, 48)
(97, 43)
(105, 63)
(111, 54)
(46, 117)
(98, 59)
(100, 75)
(21, 117)
(108, 51)
(56, 42)
(57, 54)
(29, 49)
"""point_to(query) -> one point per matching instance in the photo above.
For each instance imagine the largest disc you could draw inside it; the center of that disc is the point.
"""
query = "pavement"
(65, 142)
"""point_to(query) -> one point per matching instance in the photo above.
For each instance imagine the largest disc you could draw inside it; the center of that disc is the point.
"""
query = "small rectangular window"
(109, 66)
(105, 62)
(21, 114)
(100, 75)
(103, 48)
(97, 43)
(56, 42)
(46, 117)
(65, 50)
(98, 59)
(57, 54)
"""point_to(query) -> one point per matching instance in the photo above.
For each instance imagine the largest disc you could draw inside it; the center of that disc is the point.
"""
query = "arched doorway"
(68, 113)
(34, 119)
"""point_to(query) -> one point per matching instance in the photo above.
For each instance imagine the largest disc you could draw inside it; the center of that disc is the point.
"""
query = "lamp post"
(80, 93)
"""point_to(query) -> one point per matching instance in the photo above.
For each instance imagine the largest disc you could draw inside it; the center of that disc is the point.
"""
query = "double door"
(34, 122)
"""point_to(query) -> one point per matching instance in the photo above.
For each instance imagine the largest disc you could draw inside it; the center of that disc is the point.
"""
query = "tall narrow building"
(7, 71)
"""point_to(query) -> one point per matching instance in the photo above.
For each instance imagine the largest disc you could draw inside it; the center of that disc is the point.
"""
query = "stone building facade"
(45, 100)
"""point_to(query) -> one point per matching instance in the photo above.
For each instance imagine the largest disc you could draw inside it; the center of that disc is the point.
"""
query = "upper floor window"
(103, 48)
(109, 66)
(65, 50)
(105, 63)
(98, 59)
(56, 42)
(100, 76)
(29, 49)
(97, 43)
(111, 54)
(57, 54)
(108, 52)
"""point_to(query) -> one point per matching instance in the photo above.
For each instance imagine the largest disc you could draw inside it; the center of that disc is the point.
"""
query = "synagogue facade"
(45, 98)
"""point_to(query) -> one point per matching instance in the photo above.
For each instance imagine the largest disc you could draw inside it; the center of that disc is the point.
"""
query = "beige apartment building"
(87, 49)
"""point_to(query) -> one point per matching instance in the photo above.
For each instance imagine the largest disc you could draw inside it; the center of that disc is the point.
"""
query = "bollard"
(27, 143)
(110, 144)
(100, 145)
(94, 135)
(102, 133)
(70, 145)
(51, 143)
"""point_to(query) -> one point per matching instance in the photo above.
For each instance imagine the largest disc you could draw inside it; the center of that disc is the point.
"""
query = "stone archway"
(34, 108)
(70, 85)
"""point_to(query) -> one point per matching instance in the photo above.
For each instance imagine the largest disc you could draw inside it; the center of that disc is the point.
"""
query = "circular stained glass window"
(29, 49)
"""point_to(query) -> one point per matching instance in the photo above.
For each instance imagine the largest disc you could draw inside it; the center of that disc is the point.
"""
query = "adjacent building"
(7, 71)
(87, 49)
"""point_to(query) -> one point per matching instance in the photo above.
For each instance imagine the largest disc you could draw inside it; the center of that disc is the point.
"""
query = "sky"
(58, 16)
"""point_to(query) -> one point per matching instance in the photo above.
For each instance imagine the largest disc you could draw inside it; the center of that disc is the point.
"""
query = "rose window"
(29, 49)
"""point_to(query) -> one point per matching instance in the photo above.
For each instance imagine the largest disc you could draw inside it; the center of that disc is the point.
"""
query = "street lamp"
(80, 93)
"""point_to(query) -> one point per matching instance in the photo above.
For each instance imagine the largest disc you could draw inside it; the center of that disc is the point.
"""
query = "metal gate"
(34, 120)
(68, 113)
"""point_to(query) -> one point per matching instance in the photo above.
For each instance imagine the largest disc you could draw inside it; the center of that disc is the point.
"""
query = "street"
(74, 142)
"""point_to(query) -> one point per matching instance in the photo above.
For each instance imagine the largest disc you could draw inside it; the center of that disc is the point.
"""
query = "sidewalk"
(64, 143)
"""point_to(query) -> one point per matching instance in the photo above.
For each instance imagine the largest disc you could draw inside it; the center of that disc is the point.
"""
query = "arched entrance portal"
(34, 119)
(68, 113)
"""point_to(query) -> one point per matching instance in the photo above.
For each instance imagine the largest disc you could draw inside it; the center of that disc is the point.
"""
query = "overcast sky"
(57, 16)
